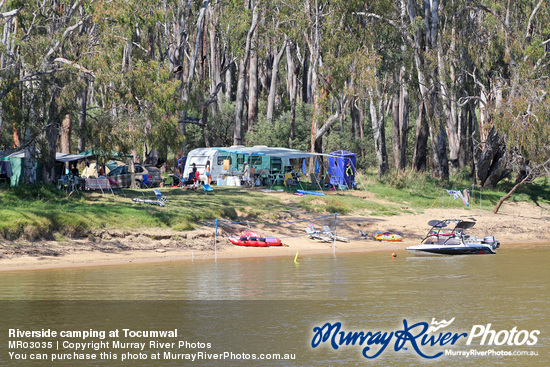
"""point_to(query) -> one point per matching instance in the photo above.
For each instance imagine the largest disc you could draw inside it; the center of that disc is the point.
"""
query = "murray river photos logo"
(425, 339)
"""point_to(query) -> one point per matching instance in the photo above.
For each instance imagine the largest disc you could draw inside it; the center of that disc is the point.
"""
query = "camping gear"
(314, 234)
(328, 232)
(207, 188)
(387, 236)
(305, 192)
(457, 242)
(248, 238)
(160, 201)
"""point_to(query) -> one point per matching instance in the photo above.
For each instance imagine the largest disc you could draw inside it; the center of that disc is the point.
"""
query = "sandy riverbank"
(517, 225)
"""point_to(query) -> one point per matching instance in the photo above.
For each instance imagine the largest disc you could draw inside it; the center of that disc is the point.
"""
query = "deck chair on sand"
(327, 231)
(316, 235)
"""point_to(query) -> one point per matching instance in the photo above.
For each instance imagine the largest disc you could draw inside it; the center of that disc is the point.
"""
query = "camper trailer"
(264, 162)
(200, 156)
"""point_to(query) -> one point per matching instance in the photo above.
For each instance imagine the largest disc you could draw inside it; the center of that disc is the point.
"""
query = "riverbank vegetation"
(32, 212)
(428, 86)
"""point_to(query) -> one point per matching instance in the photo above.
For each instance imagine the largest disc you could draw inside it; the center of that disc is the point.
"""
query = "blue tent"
(341, 167)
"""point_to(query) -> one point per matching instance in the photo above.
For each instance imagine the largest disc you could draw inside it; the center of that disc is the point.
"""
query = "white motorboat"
(441, 241)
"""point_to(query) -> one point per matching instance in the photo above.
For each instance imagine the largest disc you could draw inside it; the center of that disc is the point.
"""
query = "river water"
(255, 306)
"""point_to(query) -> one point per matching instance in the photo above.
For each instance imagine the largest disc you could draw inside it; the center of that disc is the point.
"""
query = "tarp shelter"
(14, 165)
(92, 169)
(340, 172)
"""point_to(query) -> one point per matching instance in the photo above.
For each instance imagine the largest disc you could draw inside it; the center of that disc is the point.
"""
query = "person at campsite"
(246, 174)
(208, 173)
(349, 170)
(193, 178)
(349, 173)
(180, 172)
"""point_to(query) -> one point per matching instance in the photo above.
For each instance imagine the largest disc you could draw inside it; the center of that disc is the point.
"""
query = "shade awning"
(64, 157)
(60, 157)
(272, 152)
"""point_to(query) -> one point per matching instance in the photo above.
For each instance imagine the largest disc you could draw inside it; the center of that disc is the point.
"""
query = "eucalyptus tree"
(40, 59)
(517, 78)
(241, 78)
(510, 72)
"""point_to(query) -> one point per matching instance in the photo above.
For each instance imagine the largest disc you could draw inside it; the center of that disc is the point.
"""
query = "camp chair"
(289, 180)
(207, 188)
(364, 235)
(328, 232)
(316, 235)
(145, 183)
(160, 201)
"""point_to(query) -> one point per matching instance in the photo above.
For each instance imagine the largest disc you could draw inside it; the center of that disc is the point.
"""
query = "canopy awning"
(272, 152)
(60, 157)
(64, 157)
(112, 154)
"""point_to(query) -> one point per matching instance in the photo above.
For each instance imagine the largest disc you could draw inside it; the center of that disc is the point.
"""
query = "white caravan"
(200, 156)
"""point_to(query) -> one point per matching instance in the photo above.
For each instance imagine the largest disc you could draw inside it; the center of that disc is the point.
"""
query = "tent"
(340, 172)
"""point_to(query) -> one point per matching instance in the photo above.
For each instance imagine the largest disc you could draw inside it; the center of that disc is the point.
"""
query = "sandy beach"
(517, 225)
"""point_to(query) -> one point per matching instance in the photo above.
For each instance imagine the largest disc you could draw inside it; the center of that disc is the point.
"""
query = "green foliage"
(526, 125)
(277, 133)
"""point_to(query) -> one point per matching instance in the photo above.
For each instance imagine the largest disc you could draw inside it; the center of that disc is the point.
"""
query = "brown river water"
(273, 311)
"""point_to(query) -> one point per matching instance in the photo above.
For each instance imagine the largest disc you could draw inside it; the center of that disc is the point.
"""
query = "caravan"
(266, 164)
(202, 155)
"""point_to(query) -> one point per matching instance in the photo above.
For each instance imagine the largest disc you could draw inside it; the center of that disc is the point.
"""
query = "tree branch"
(529, 30)
(75, 65)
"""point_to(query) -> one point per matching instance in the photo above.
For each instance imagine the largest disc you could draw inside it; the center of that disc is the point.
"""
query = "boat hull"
(451, 250)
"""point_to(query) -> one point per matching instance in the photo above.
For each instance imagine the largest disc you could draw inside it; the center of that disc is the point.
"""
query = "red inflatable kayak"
(248, 238)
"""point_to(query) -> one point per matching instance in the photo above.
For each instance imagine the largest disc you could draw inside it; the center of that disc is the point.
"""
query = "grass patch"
(34, 212)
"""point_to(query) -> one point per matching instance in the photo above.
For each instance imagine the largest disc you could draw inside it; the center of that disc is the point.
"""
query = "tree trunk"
(253, 86)
(30, 159)
(82, 100)
(403, 118)
(305, 81)
(378, 131)
(273, 85)
(215, 62)
(16, 141)
(228, 81)
(448, 102)
(509, 194)
(490, 167)
(239, 103)
(52, 136)
(66, 126)
(463, 136)
(196, 50)
(396, 136)
(292, 88)
(355, 116)
(472, 127)
(291, 75)
(420, 155)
